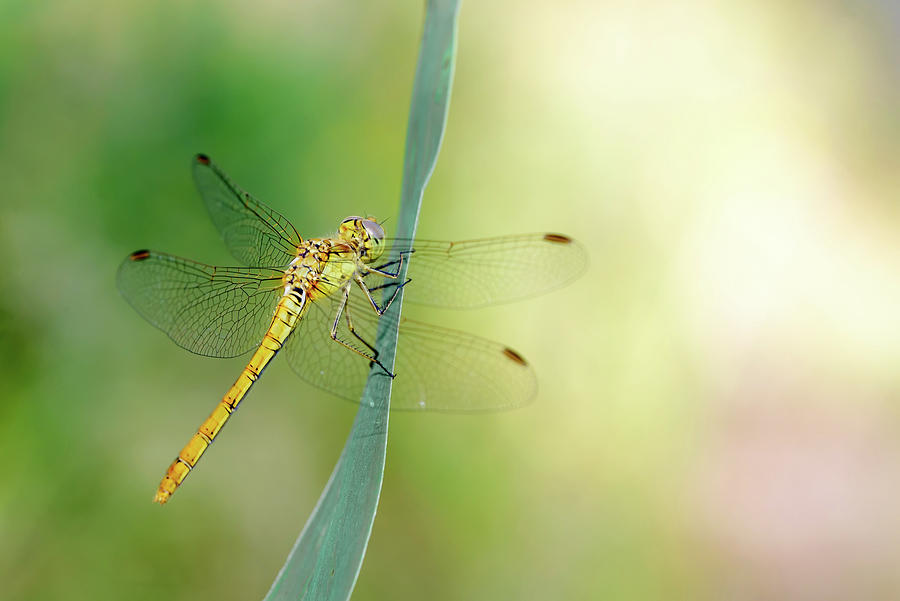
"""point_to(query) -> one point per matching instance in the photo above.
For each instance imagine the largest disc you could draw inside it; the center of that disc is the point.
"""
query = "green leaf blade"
(325, 561)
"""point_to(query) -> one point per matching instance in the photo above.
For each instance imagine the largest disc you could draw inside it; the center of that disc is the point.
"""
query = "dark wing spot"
(514, 356)
(557, 238)
(203, 159)
(139, 255)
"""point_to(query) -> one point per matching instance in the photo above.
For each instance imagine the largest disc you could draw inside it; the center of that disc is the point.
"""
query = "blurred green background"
(718, 411)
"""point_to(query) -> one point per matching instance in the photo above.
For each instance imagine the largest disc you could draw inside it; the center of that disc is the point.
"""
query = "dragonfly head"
(366, 234)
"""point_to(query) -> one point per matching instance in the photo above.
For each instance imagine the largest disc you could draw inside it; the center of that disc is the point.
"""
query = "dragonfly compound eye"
(375, 231)
(373, 243)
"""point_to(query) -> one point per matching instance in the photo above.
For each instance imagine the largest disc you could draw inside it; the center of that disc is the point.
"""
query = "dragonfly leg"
(374, 357)
(382, 269)
(369, 291)
(355, 335)
(344, 310)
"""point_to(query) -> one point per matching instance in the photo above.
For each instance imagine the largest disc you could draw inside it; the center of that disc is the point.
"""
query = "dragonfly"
(318, 301)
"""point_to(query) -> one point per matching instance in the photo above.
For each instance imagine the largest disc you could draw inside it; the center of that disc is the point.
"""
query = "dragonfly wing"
(253, 233)
(439, 369)
(436, 368)
(476, 273)
(212, 311)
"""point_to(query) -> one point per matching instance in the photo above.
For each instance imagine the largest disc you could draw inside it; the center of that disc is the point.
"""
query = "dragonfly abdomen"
(287, 315)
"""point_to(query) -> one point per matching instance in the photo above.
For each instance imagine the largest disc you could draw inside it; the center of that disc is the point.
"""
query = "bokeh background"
(718, 416)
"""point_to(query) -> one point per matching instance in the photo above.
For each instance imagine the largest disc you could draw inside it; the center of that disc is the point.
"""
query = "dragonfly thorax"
(321, 267)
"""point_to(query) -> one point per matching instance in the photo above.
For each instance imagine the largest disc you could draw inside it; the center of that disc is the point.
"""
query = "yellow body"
(287, 315)
(321, 268)
(225, 311)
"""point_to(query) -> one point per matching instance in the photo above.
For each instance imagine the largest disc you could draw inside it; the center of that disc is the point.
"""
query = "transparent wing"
(212, 311)
(476, 273)
(436, 368)
(253, 233)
